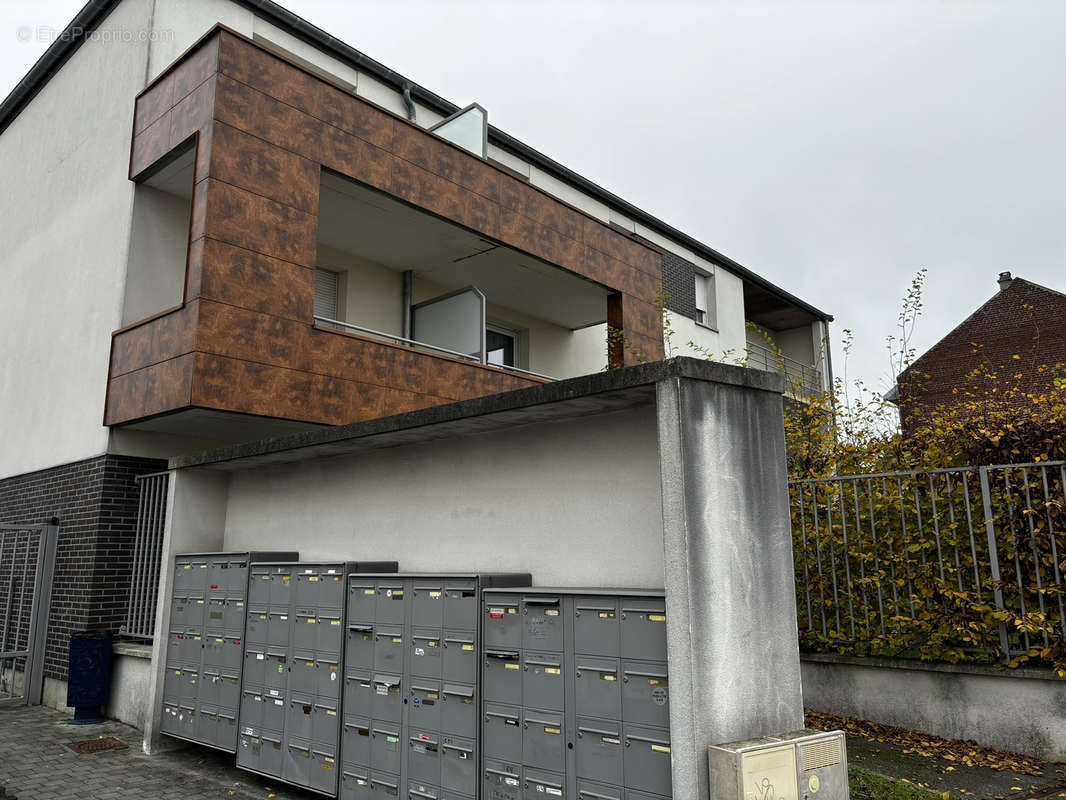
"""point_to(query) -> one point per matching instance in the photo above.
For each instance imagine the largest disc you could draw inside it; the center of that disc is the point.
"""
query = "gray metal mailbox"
(423, 755)
(598, 748)
(542, 679)
(355, 739)
(458, 765)
(502, 675)
(543, 739)
(596, 625)
(359, 644)
(501, 780)
(290, 711)
(459, 660)
(584, 673)
(425, 645)
(501, 727)
(385, 746)
(205, 653)
(419, 637)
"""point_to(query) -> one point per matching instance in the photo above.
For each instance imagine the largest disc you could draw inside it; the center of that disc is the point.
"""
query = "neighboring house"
(234, 226)
(1018, 330)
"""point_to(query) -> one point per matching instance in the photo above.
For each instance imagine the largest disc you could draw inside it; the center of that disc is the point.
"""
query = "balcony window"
(327, 291)
(705, 300)
(500, 346)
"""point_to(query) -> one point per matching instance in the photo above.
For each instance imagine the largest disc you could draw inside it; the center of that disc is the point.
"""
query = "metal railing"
(326, 323)
(803, 379)
(950, 548)
(147, 555)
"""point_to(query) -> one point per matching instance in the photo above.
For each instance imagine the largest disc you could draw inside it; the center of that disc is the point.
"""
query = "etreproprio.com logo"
(46, 33)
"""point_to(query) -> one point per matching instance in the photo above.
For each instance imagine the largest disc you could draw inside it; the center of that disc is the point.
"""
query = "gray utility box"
(802, 765)
(290, 708)
(205, 646)
(411, 726)
(575, 695)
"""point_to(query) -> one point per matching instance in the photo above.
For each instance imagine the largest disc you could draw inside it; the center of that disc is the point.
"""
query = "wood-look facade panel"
(265, 129)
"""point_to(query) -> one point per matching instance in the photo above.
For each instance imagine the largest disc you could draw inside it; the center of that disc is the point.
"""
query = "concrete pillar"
(730, 595)
(195, 523)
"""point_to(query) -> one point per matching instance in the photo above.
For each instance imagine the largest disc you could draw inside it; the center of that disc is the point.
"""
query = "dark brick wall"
(96, 502)
(1024, 319)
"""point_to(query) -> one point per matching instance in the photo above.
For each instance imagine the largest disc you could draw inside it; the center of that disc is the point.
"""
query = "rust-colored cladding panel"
(194, 69)
(251, 280)
(150, 145)
(193, 113)
(244, 341)
(153, 104)
(256, 223)
(165, 337)
(239, 159)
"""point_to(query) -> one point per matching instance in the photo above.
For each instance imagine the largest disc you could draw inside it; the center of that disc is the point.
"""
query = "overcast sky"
(834, 148)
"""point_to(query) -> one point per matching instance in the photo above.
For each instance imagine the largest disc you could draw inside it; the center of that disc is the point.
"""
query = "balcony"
(801, 380)
(277, 178)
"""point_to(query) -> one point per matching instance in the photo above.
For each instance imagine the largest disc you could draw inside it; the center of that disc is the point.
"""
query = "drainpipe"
(407, 101)
(407, 274)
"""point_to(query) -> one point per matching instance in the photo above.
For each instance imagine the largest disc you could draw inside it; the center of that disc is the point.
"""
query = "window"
(705, 300)
(327, 284)
(500, 346)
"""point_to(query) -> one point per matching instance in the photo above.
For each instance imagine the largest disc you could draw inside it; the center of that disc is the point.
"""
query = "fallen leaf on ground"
(967, 753)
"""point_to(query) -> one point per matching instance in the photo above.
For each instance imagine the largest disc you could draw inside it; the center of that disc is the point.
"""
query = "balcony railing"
(324, 323)
(147, 555)
(801, 379)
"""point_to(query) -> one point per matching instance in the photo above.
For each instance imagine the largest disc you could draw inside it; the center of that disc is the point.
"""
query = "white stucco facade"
(66, 224)
(159, 244)
(573, 503)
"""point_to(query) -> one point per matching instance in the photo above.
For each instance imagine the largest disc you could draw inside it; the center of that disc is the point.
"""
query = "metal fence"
(970, 559)
(147, 554)
(27, 558)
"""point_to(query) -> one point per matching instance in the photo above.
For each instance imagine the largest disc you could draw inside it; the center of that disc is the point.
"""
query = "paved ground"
(972, 783)
(35, 765)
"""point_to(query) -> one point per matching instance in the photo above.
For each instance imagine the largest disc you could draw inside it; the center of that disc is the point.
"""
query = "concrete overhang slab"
(588, 395)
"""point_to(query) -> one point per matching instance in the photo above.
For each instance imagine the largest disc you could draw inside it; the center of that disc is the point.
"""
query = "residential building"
(1015, 335)
(228, 226)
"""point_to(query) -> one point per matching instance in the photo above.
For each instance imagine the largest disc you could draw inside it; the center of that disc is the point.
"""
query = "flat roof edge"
(617, 380)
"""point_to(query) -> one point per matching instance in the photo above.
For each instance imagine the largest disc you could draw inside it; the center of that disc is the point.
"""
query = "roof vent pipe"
(1005, 280)
(407, 101)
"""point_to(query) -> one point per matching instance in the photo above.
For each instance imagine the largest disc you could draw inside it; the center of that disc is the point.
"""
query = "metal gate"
(27, 558)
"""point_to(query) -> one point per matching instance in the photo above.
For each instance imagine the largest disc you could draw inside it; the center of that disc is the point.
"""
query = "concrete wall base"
(130, 680)
(1023, 711)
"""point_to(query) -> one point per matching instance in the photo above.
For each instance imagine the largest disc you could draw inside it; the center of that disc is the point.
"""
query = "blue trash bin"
(89, 675)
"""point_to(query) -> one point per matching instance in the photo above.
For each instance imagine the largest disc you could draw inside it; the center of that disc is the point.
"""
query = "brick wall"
(1024, 319)
(96, 503)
